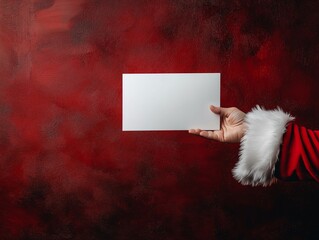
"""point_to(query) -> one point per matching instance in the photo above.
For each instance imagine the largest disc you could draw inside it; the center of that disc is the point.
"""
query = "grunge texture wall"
(67, 171)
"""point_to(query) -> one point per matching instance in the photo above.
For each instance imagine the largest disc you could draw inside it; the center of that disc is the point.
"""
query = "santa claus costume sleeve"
(274, 147)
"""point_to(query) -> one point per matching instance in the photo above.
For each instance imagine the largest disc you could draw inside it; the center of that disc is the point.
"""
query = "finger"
(215, 109)
(195, 131)
(220, 110)
(214, 135)
(204, 134)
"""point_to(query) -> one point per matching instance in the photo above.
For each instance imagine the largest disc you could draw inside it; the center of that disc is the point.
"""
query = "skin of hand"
(232, 125)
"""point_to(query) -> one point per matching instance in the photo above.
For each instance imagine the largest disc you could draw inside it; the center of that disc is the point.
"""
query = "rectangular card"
(177, 101)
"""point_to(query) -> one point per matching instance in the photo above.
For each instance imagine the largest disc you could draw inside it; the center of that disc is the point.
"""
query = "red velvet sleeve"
(299, 154)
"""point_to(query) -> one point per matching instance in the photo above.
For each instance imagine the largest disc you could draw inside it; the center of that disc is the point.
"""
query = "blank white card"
(170, 101)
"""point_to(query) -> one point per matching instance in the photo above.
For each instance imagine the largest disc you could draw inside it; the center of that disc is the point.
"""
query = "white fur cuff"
(260, 146)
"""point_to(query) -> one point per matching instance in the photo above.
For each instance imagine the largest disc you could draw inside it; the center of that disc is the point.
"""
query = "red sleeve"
(299, 155)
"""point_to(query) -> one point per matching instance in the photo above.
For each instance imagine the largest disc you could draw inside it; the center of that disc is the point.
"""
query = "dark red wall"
(67, 171)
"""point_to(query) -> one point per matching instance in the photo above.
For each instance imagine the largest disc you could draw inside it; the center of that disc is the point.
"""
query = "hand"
(232, 125)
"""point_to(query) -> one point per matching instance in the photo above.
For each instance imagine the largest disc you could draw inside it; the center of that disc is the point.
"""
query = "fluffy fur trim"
(260, 146)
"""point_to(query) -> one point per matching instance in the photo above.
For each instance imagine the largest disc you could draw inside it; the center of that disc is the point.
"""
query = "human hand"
(232, 125)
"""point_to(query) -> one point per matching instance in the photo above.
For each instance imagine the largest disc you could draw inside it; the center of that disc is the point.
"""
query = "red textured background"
(67, 171)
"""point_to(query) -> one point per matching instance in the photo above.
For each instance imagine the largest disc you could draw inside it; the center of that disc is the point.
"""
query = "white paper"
(170, 101)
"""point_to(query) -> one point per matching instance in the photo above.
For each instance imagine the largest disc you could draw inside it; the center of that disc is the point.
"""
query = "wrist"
(242, 131)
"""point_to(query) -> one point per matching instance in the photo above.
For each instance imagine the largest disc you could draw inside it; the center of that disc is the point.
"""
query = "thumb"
(215, 109)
